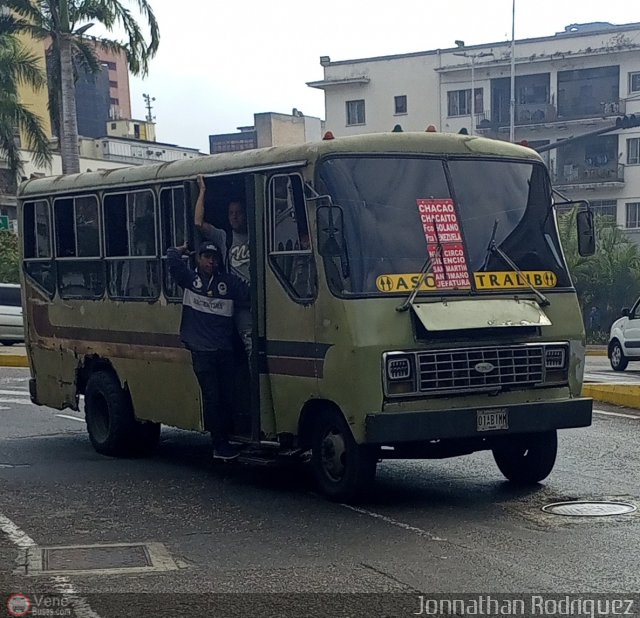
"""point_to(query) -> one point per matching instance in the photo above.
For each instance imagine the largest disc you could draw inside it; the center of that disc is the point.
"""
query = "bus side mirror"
(625, 312)
(586, 233)
(330, 231)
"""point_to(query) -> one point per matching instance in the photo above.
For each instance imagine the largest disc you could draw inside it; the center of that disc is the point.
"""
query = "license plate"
(492, 420)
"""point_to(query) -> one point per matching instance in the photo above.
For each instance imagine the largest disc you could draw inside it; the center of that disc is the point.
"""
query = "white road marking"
(71, 418)
(606, 413)
(24, 402)
(62, 585)
(23, 392)
(16, 536)
(393, 522)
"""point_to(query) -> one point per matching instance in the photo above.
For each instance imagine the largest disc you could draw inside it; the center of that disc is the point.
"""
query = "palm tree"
(66, 23)
(18, 66)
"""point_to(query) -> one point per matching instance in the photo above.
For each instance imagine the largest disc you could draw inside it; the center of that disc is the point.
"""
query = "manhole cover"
(81, 558)
(589, 509)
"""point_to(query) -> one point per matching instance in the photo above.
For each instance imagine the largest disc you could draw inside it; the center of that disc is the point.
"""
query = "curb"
(626, 395)
(13, 360)
(596, 353)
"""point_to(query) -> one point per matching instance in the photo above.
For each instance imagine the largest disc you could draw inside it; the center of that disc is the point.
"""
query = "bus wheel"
(113, 429)
(528, 458)
(342, 468)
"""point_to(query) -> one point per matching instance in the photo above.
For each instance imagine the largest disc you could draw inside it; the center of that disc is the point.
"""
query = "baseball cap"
(208, 247)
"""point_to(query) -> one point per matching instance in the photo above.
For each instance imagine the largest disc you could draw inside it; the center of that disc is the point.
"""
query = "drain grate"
(107, 559)
(90, 558)
(585, 508)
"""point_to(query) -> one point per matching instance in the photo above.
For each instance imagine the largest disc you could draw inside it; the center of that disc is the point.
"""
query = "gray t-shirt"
(239, 256)
(237, 260)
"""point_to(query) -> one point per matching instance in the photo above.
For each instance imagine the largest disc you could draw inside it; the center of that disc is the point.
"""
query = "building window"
(634, 82)
(633, 151)
(355, 112)
(400, 104)
(111, 66)
(113, 84)
(633, 214)
(114, 101)
(459, 102)
(604, 208)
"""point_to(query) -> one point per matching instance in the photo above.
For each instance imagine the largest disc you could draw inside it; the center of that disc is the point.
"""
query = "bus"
(409, 294)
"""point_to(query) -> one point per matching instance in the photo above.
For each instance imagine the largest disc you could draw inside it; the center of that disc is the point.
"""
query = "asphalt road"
(598, 369)
(430, 527)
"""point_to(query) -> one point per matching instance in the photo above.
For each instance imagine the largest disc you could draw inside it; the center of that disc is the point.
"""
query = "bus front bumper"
(486, 422)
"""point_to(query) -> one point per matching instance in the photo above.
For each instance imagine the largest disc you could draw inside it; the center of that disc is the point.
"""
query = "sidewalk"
(627, 395)
(13, 356)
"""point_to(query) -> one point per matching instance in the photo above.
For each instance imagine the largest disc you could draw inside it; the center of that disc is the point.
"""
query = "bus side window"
(174, 233)
(290, 250)
(133, 268)
(38, 262)
(80, 269)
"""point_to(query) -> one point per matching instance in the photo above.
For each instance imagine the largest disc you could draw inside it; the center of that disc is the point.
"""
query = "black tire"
(342, 468)
(7, 343)
(113, 429)
(529, 458)
(617, 358)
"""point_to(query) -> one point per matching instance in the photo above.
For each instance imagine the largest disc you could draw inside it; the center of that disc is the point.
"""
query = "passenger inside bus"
(220, 216)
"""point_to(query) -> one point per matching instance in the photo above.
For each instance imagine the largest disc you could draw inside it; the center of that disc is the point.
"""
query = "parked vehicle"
(11, 323)
(624, 338)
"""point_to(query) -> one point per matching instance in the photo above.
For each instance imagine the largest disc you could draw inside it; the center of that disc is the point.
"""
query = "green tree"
(610, 278)
(19, 67)
(9, 260)
(66, 23)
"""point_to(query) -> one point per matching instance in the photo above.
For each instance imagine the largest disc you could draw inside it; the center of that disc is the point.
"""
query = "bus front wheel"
(342, 468)
(113, 429)
(527, 458)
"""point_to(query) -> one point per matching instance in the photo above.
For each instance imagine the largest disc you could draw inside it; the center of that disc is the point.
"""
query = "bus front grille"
(480, 369)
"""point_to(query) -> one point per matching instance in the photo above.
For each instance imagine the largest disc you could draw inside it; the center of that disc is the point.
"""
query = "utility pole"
(512, 99)
(148, 99)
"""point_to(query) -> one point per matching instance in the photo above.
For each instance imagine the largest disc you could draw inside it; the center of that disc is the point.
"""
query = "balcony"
(590, 108)
(588, 177)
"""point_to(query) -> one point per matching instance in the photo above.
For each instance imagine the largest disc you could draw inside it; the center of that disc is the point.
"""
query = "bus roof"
(423, 143)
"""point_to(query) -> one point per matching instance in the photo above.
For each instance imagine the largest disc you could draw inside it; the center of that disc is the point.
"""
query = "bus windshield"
(397, 210)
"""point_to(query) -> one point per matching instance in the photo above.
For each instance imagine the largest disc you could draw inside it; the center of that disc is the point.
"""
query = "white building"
(574, 82)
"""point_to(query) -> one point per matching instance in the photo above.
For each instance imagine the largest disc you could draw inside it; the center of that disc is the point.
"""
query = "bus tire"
(342, 468)
(110, 421)
(529, 458)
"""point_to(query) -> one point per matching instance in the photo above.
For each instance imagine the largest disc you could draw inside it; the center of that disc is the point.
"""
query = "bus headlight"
(555, 364)
(399, 374)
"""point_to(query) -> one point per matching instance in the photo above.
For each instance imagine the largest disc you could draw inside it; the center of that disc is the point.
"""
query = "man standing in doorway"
(211, 297)
(238, 254)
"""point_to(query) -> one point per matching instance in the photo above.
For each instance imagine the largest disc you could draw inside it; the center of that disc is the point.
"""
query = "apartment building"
(576, 82)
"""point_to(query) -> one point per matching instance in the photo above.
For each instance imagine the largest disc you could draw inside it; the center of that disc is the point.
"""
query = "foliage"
(610, 279)
(66, 23)
(19, 67)
(9, 259)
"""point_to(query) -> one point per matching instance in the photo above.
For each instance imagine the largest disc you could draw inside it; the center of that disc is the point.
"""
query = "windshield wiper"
(492, 247)
(427, 268)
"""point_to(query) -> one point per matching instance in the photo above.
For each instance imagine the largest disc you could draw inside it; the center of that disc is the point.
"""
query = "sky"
(221, 62)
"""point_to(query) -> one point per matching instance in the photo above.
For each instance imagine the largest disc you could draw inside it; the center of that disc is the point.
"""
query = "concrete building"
(269, 129)
(575, 82)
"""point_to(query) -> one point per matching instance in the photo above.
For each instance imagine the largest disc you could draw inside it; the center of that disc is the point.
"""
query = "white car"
(11, 323)
(624, 338)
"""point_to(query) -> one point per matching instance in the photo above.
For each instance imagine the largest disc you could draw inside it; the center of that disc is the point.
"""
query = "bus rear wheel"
(113, 429)
(342, 468)
(529, 458)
